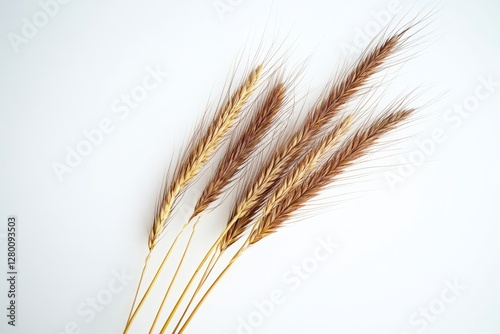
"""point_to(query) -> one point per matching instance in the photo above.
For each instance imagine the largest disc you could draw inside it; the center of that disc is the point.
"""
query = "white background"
(397, 247)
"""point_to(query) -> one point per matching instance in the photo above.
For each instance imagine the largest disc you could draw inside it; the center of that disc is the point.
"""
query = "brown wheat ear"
(252, 199)
(241, 148)
(202, 150)
(354, 148)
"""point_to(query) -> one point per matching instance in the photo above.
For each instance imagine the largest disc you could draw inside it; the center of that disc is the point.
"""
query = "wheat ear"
(202, 150)
(258, 190)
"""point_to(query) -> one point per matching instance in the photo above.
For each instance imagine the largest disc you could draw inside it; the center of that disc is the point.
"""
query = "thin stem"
(245, 245)
(177, 270)
(211, 265)
(191, 280)
(146, 262)
(203, 298)
(206, 274)
(155, 278)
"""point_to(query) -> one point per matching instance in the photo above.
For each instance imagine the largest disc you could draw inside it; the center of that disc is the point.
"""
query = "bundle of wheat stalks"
(301, 163)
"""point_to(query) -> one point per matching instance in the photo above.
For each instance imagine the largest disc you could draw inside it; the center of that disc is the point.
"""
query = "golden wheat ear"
(251, 200)
(201, 150)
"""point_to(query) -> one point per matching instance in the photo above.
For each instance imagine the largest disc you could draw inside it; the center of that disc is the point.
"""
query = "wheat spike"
(354, 148)
(251, 200)
(202, 150)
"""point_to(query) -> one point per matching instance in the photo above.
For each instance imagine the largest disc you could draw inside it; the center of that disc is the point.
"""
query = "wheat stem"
(173, 279)
(155, 278)
(193, 276)
(144, 268)
(213, 262)
(214, 283)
